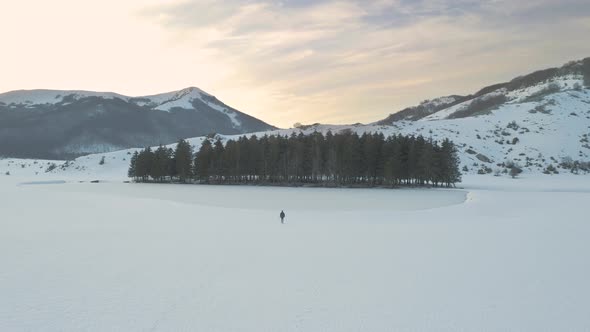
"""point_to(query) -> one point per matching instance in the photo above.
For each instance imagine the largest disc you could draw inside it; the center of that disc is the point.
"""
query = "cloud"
(313, 59)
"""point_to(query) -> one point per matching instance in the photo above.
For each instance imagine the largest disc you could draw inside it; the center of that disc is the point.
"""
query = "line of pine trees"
(163, 165)
(343, 159)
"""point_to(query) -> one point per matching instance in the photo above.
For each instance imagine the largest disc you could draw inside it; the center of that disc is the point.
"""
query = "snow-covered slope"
(534, 132)
(538, 120)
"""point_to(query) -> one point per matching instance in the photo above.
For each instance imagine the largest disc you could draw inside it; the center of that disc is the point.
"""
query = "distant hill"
(64, 124)
(533, 85)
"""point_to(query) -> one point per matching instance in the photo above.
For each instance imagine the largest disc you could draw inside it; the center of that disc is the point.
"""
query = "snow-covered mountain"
(60, 124)
(539, 121)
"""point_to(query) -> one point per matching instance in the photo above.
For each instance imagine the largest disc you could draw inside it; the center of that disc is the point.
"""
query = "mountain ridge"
(58, 124)
(573, 68)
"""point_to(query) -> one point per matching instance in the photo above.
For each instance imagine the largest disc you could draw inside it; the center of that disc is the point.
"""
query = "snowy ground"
(500, 254)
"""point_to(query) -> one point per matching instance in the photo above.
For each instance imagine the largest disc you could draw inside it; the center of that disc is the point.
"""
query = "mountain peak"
(192, 89)
(63, 123)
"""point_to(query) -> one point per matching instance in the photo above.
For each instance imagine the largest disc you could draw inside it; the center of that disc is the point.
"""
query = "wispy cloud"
(395, 51)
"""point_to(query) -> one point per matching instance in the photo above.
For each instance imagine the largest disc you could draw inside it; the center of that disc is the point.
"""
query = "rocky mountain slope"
(64, 124)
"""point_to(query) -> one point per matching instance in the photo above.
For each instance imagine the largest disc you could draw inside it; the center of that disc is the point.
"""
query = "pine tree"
(449, 163)
(379, 140)
(171, 165)
(437, 165)
(203, 161)
(219, 169)
(352, 158)
(371, 149)
(331, 160)
(396, 154)
(131, 173)
(273, 156)
(425, 164)
(256, 169)
(316, 154)
(159, 164)
(184, 160)
(144, 164)
(586, 71)
(404, 166)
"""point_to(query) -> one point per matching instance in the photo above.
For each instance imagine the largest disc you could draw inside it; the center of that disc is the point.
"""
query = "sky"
(287, 61)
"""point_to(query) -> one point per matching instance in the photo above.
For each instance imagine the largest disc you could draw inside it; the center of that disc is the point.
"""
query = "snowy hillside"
(64, 124)
(540, 122)
(535, 134)
(532, 132)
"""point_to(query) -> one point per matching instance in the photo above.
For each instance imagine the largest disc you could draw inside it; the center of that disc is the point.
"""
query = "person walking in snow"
(282, 215)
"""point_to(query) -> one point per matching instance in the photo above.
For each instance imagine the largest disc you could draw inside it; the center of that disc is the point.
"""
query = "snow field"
(135, 257)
